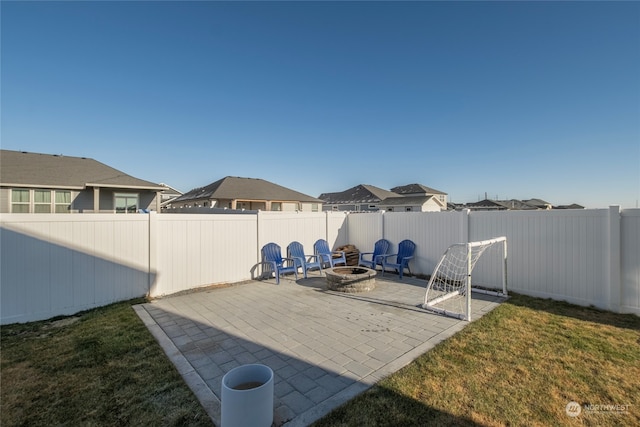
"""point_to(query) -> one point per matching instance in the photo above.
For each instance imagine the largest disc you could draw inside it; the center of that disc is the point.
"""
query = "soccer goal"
(449, 288)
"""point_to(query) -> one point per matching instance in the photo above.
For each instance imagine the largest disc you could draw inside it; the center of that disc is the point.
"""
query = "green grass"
(518, 365)
(101, 367)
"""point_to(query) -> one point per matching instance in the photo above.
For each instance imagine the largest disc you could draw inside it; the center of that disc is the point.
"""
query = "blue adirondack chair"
(272, 257)
(295, 250)
(406, 249)
(326, 255)
(380, 248)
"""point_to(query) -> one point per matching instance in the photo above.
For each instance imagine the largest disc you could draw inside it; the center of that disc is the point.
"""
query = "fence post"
(614, 261)
(152, 270)
(465, 215)
(326, 225)
(258, 237)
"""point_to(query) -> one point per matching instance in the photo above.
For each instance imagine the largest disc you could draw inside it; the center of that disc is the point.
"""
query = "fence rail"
(57, 264)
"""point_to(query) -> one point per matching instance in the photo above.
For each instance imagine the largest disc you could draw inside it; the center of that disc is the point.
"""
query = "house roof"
(415, 189)
(405, 201)
(232, 187)
(362, 193)
(488, 203)
(22, 169)
(169, 190)
(512, 204)
(538, 203)
(571, 206)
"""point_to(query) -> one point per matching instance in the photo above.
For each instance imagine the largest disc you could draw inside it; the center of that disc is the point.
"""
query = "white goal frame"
(452, 277)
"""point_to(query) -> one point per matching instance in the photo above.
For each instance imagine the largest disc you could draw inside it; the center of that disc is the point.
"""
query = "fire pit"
(350, 279)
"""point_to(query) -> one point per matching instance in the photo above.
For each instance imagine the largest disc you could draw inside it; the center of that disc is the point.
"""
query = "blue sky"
(513, 99)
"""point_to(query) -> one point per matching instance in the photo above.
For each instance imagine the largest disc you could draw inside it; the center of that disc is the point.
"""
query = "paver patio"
(324, 347)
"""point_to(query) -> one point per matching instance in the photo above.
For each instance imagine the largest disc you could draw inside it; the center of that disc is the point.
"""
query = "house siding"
(4, 200)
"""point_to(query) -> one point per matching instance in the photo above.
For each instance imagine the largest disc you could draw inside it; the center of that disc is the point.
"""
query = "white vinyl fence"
(59, 264)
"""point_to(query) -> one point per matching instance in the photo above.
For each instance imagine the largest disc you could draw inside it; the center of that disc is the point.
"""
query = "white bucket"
(247, 397)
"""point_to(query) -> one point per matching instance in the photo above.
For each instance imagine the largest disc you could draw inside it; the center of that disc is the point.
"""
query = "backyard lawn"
(521, 364)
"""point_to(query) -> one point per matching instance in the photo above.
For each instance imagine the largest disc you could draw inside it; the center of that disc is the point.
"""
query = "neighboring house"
(247, 193)
(571, 206)
(493, 205)
(367, 198)
(168, 195)
(538, 204)
(513, 204)
(412, 204)
(422, 190)
(51, 183)
(416, 197)
(361, 198)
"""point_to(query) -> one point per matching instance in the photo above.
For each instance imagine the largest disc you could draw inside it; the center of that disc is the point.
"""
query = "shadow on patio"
(324, 347)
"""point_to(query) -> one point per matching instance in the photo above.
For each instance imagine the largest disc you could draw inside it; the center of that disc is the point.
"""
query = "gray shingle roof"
(362, 193)
(415, 189)
(18, 168)
(232, 187)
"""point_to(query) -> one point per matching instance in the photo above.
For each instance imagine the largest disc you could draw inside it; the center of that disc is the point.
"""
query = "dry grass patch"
(101, 367)
(519, 365)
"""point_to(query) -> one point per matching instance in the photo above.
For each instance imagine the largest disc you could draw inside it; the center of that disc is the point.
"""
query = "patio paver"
(324, 347)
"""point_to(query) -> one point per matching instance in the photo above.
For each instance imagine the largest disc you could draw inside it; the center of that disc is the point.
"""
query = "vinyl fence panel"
(337, 229)
(558, 254)
(630, 261)
(432, 232)
(284, 228)
(196, 250)
(59, 264)
(56, 264)
(364, 229)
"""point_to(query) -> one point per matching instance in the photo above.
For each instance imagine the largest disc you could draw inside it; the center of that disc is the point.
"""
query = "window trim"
(56, 204)
(37, 204)
(27, 203)
(126, 197)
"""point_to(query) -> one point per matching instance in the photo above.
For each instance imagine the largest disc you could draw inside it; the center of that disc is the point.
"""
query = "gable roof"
(233, 187)
(362, 193)
(22, 169)
(488, 203)
(415, 189)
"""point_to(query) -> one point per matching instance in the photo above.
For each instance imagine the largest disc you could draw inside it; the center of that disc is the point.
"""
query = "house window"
(63, 202)
(126, 203)
(41, 201)
(276, 206)
(20, 201)
(314, 207)
(334, 208)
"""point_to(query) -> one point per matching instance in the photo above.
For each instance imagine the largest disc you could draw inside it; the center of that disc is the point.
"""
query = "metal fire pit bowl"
(350, 279)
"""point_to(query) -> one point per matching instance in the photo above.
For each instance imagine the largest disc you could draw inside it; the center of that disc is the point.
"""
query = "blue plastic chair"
(295, 250)
(406, 249)
(272, 256)
(380, 248)
(326, 255)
